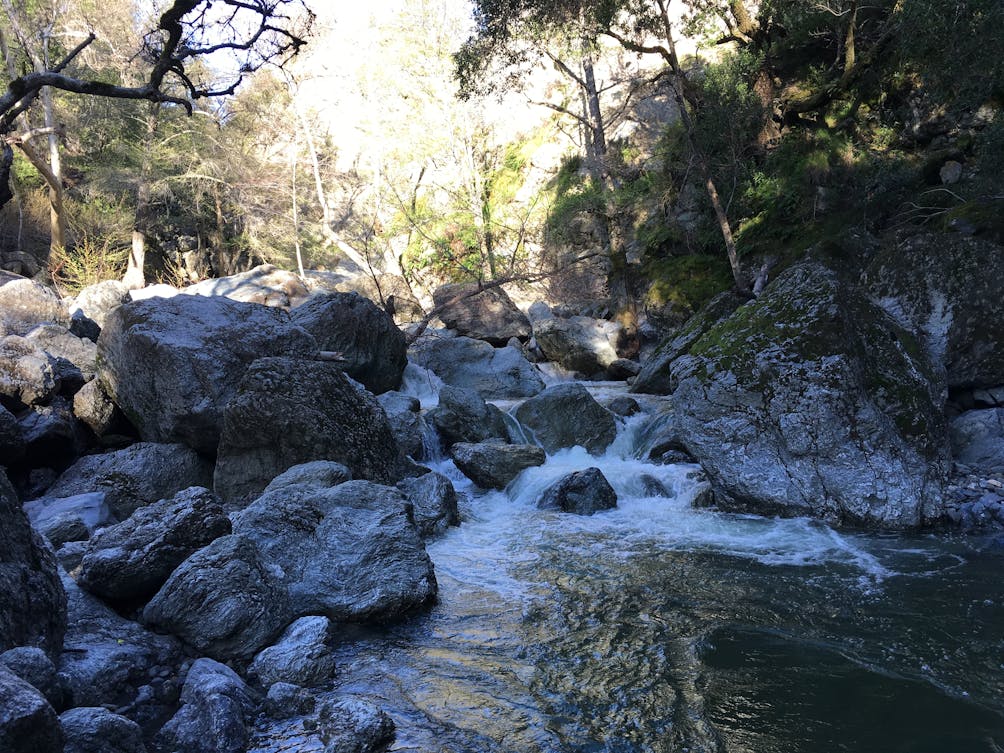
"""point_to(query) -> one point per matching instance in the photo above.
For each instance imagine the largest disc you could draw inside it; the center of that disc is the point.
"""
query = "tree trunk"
(135, 275)
(57, 218)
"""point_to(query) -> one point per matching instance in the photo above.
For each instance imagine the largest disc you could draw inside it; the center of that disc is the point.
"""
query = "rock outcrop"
(578, 343)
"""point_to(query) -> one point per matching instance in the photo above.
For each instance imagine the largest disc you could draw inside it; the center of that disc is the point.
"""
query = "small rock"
(581, 492)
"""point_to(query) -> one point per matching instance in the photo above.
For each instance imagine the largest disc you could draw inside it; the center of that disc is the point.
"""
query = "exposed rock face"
(134, 477)
(464, 362)
(287, 412)
(463, 416)
(489, 315)
(373, 347)
(133, 559)
(354, 726)
(96, 301)
(492, 465)
(434, 500)
(24, 304)
(223, 600)
(28, 723)
(218, 707)
(351, 552)
(173, 364)
(581, 492)
(265, 285)
(655, 376)
(32, 602)
(98, 730)
(566, 415)
(812, 401)
(301, 656)
(578, 343)
(27, 374)
(938, 287)
(62, 519)
(977, 438)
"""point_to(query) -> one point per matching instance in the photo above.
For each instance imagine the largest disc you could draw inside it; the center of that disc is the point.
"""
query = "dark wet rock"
(580, 492)
(566, 415)
(354, 726)
(53, 436)
(372, 347)
(27, 374)
(95, 302)
(978, 439)
(319, 414)
(24, 304)
(492, 465)
(28, 724)
(623, 369)
(12, 444)
(464, 362)
(351, 552)
(489, 315)
(135, 476)
(623, 406)
(285, 700)
(812, 401)
(224, 601)
(63, 519)
(406, 422)
(133, 559)
(173, 364)
(302, 655)
(265, 285)
(434, 501)
(578, 343)
(98, 730)
(214, 718)
(108, 659)
(32, 601)
(463, 416)
(318, 474)
(35, 667)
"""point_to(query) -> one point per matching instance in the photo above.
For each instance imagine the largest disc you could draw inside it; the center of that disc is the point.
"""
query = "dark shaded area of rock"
(12, 444)
(35, 667)
(63, 519)
(434, 502)
(623, 369)
(28, 724)
(406, 422)
(463, 416)
(131, 560)
(302, 655)
(464, 362)
(372, 346)
(287, 412)
(977, 439)
(623, 405)
(32, 601)
(489, 315)
(566, 415)
(285, 700)
(53, 436)
(173, 364)
(492, 465)
(581, 492)
(98, 730)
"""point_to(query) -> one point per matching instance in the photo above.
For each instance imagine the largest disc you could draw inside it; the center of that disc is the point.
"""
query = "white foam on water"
(421, 383)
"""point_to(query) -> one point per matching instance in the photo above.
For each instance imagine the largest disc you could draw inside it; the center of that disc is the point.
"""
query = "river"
(661, 627)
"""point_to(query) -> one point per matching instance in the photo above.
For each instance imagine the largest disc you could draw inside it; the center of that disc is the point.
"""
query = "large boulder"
(225, 601)
(76, 518)
(580, 492)
(654, 376)
(24, 304)
(495, 373)
(265, 285)
(977, 438)
(371, 346)
(135, 476)
(351, 552)
(320, 474)
(463, 416)
(812, 401)
(28, 724)
(287, 412)
(92, 729)
(566, 415)
(434, 501)
(32, 601)
(133, 559)
(578, 343)
(488, 315)
(492, 465)
(96, 301)
(74, 358)
(173, 364)
(35, 667)
(302, 656)
(27, 374)
(390, 292)
(946, 289)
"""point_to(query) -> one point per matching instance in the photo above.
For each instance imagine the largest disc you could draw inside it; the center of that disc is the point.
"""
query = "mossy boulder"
(947, 288)
(811, 400)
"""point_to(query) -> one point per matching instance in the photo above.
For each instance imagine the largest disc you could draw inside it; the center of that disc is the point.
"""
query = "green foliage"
(576, 197)
(687, 282)
(89, 261)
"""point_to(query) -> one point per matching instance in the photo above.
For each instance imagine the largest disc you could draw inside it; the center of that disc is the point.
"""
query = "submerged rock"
(581, 492)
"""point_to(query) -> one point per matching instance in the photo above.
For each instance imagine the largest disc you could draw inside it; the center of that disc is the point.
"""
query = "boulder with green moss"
(813, 401)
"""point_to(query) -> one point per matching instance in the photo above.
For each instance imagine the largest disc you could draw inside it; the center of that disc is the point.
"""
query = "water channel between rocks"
(661, 627)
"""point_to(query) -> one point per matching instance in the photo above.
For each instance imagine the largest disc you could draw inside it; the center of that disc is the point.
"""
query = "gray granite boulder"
(287, 412)
(225, 601)
(813, 401)
(28, 724)
(93, 406)
(488, 315)
(74, 358)
(173, 364)
(406, 422)
(372, 347)
(495, 373)
(27, 374)
(354, 726)
(580, 492)
(32, 601)
(302, 655)
(96, 301)
(24, 304)
(93, 729)
(977, 438)
(492, 465)
(319, 474)
(463, 416)
(566, 415)
(578, 343)
(132, 560)
(135, 476)
(434, 501)
(35, 667)
(351, 552)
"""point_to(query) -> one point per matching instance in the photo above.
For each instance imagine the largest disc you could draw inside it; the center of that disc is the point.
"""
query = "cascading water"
(660, 627)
